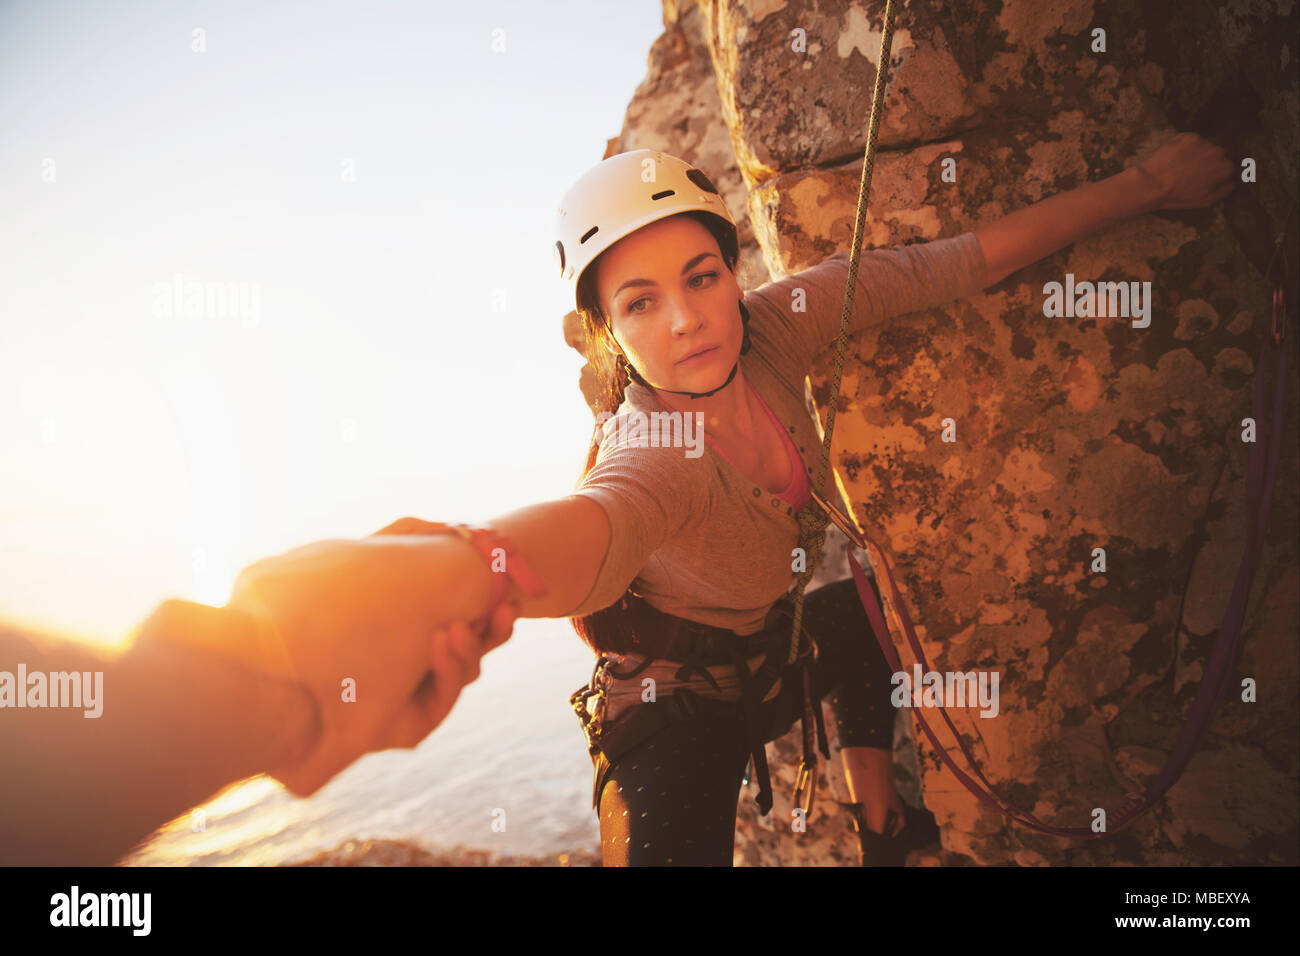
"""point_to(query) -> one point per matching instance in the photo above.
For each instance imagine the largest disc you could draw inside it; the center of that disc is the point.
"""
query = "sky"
(277, 272)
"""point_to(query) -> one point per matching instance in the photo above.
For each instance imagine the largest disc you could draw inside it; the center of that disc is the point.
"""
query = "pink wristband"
(486, 540)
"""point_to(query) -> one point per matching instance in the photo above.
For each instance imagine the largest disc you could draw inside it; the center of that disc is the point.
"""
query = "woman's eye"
(632, 306)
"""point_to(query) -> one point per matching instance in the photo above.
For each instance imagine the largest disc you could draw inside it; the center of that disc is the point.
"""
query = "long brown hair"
(607, 629)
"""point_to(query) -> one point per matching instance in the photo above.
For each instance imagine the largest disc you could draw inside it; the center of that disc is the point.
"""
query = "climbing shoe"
(914, 829)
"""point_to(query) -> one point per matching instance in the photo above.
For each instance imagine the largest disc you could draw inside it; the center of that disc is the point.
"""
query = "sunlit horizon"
(376, 187)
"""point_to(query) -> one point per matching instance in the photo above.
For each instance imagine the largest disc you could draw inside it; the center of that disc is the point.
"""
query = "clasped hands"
(348, 622)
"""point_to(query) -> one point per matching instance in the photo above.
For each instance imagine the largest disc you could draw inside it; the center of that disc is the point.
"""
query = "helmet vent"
(588, 234)
(666, 192)
(559, 249)
(697, 177)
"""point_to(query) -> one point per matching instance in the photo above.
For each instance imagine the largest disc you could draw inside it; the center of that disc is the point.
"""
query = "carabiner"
(806, 780)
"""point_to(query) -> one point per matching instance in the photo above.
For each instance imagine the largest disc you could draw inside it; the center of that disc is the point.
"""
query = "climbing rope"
(812, 520)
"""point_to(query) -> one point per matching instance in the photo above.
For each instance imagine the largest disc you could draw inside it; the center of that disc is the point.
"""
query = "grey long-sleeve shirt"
(696, 537)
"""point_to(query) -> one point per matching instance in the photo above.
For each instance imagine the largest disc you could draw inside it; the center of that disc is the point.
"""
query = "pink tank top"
(796, 493)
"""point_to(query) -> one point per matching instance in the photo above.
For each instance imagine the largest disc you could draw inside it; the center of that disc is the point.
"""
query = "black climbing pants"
(671, 800)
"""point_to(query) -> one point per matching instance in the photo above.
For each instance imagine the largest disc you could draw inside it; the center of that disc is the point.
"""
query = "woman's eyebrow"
(691, 264)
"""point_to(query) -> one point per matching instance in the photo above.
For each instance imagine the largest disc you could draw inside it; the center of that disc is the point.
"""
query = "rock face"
(1072, 434)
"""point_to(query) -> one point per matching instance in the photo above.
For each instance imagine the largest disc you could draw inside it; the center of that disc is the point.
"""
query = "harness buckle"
(592, 717)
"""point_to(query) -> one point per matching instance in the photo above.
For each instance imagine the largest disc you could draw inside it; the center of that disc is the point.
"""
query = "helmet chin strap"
(674, 391)
(734, 368)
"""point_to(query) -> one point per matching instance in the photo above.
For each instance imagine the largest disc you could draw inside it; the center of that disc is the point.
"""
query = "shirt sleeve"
(649, 495)
(891, 281)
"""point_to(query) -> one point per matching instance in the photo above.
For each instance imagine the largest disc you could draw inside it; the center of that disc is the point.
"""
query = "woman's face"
(668, 294)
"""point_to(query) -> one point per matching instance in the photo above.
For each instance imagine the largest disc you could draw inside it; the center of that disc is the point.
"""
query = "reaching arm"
(589, 546)
(564, 541)
(197, 702)
(322, 654)
(1186, 172)
(1035, 232)
(802, 312)
(799, 316)
(175, 725)
(592, 544)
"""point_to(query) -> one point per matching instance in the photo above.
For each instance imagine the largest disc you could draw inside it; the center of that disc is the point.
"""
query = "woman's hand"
(1188, 172)
(454, 652)
(454, 655)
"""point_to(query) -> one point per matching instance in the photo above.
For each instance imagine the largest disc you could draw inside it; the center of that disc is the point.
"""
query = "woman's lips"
(699, 356)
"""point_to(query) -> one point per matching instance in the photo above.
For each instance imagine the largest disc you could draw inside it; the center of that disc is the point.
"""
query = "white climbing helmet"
(618, 196)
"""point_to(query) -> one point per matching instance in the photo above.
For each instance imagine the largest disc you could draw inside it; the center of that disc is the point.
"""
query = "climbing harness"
(741, 674)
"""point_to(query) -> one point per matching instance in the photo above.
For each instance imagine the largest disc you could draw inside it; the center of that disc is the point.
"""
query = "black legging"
(671, 800)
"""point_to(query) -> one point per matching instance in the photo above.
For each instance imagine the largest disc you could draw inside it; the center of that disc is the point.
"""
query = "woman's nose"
(685, 319)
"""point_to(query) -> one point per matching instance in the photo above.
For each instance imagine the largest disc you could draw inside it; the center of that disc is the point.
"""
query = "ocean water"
(511, 751)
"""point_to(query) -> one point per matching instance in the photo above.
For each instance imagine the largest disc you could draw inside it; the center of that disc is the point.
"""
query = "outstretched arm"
(1186, 172)
(374, 628)
(166, 728)
(200, 699)
(563, 541)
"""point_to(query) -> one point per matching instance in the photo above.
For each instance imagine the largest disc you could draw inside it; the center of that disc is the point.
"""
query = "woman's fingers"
(455, 652)
(467, 647)
(418, 717)
(1208, 172)
(431, 702)
(1190, 172)
(501, 624)
(400, 526)
(447, 659)
(414, 526)
(1225, 190)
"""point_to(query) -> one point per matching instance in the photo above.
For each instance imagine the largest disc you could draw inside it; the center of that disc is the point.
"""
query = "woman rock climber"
(650, 250)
